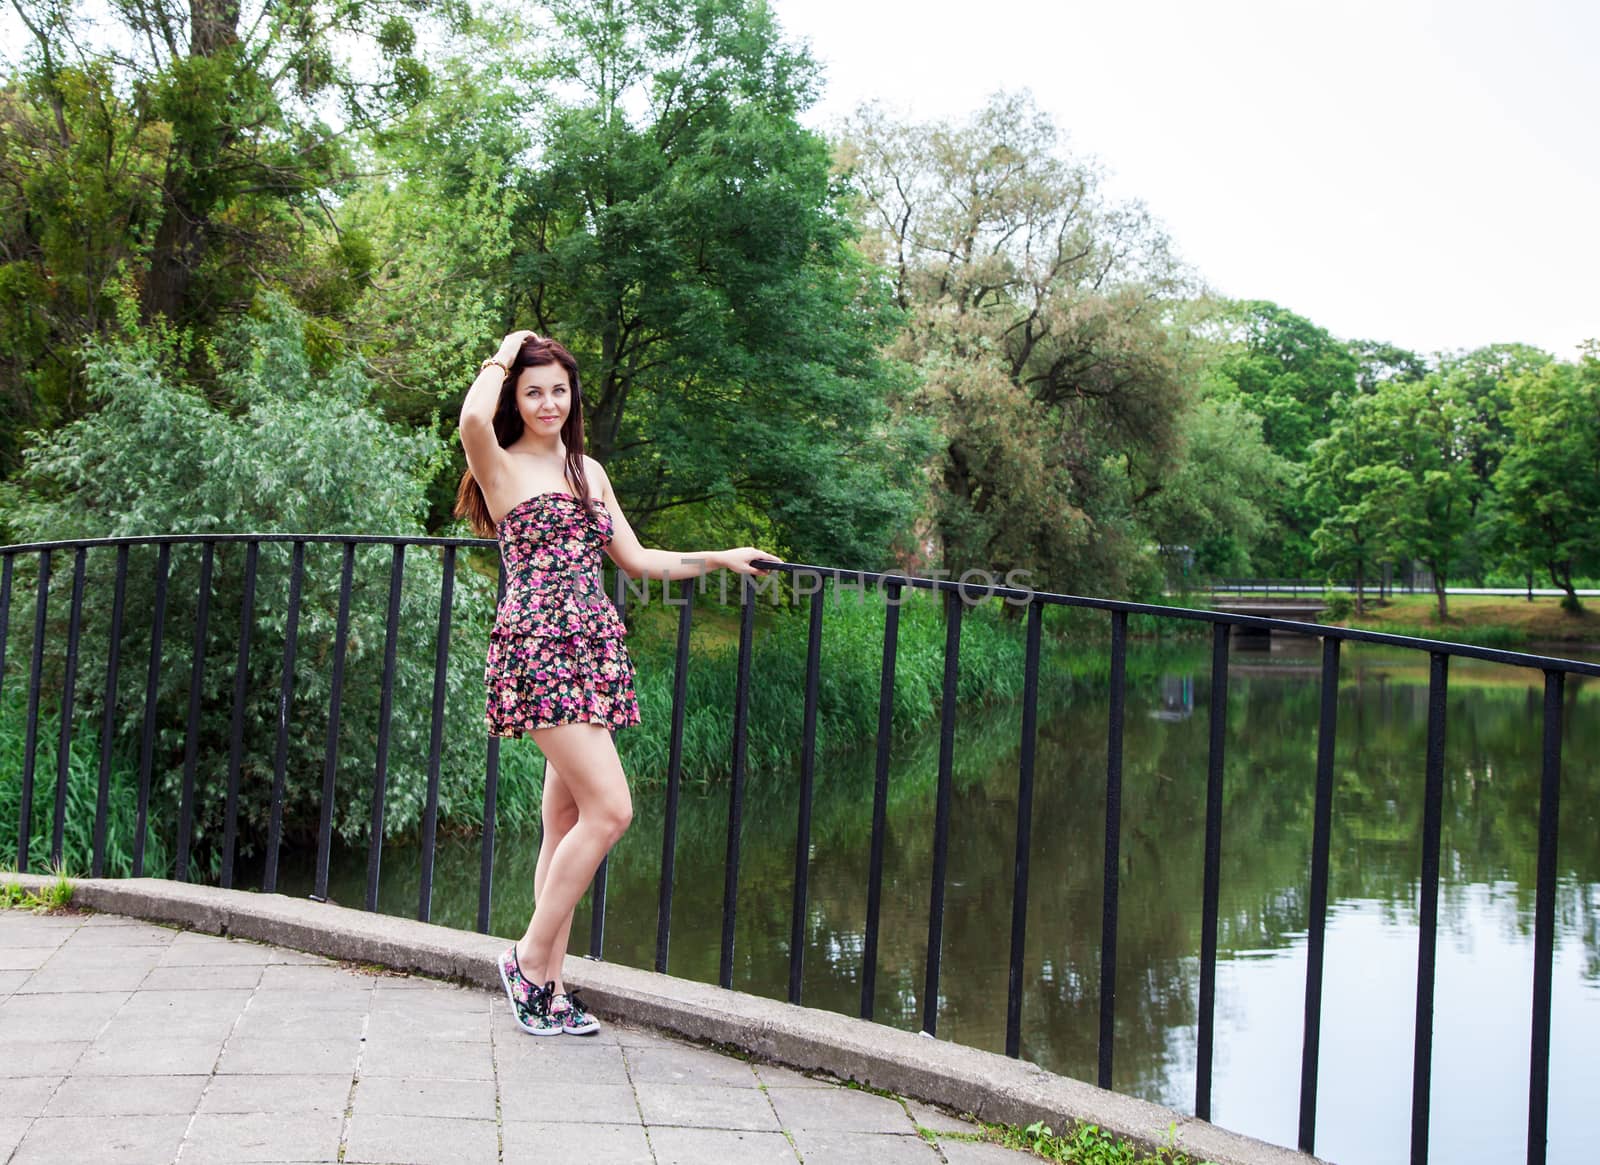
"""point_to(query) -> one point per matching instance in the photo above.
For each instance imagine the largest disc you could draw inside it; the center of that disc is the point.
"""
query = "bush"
(299, 452)
(1336, 606)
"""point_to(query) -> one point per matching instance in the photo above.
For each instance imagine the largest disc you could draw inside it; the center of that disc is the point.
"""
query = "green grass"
(1082, 1144)
(1485, 620)
(1510, 638)
(1085, 1144)
(852, 651)
(56, 895)
(83, 791)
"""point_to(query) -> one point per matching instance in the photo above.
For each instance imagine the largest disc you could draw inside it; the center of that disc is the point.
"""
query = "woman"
(558, 670)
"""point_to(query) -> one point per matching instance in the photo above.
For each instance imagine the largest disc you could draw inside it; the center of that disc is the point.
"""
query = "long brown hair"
(508, 429)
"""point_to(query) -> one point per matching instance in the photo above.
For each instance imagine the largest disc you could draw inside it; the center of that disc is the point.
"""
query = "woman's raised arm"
(484, 455)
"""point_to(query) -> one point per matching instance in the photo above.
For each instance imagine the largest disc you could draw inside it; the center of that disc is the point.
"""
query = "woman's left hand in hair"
(742, 560)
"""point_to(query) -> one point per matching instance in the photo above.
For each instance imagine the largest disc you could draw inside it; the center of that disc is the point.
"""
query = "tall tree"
(79, 181)
(675, 225)
(174, 156)
(1220, 490)
(1548, 480)
(1353, 480)
(1378, 361)
(1427, 434)
(1036, 316)
(1291, 373)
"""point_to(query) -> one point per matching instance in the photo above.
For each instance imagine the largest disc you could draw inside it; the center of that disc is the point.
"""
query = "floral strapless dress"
(556, 654)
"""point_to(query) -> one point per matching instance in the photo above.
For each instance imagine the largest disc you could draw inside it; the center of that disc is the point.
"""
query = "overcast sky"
(1417, 171)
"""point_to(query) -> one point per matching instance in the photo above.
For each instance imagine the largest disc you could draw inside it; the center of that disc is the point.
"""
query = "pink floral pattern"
(556, 654)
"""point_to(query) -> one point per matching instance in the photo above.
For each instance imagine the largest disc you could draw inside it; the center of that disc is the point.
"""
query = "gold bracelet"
(498, 364)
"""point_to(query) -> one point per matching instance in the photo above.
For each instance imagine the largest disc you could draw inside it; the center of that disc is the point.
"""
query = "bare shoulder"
(597, 474)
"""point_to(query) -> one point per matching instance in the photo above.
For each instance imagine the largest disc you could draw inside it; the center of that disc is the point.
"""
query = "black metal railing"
(957, 596)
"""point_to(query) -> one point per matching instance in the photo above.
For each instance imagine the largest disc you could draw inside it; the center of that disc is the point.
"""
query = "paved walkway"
(123, 1041)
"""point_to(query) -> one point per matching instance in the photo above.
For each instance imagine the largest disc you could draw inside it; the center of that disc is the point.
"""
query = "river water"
(1485, 954)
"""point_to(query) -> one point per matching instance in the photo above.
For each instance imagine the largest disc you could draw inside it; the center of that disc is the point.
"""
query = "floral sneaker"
(530, 1005)
(575, 1018)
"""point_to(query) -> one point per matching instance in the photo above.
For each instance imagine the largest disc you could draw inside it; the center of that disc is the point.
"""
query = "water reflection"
(1486, 906)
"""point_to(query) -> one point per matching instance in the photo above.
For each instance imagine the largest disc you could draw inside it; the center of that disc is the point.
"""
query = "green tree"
(672, 222)
(1221, 490)
(1548, 480)
(1378, 361)
(1427, 434)
(1291, 373)
(1480, 380)
(1352, 479)
(166, 159)
(79, 174)
(1037, 318)
(304, 452)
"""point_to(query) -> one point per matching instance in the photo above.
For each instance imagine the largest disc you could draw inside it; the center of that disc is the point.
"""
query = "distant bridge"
(1298, 610)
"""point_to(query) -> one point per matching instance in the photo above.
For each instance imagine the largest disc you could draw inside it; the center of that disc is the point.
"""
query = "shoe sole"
(505, 981)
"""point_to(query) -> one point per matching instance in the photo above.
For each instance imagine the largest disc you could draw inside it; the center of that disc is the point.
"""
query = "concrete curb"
(989, 1086)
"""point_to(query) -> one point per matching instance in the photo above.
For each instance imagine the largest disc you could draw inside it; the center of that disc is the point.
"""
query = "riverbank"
(1487, 620)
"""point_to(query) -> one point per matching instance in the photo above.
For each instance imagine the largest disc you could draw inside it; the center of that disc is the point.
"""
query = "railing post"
(1213, 870)
(1019, 877)
(669, 828)
(808, 765)
(1316, 927)
(330, 759)
(441, 661)
(1113, 845)
(597, 908)
(5, 613)
(1544, 921)
(241, 688)
(880, 796)
(191, 747)
(30, 733)
(953, 608)
(152, 692)
(291, 633)
(69, 688)
(602, 872)
(380, 770)
(1428, 939)
(741, 715)
(108, 719)
(491, 796)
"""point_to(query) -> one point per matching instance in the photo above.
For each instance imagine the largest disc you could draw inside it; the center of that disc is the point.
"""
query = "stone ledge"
(989, 1086)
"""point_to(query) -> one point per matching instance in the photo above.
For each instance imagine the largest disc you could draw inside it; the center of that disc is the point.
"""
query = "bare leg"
(559, 813)
(592, 774)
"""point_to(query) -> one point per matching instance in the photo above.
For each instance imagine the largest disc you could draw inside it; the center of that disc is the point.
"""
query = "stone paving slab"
(39, 1057)
(223, 1138)
(118, 1096)
(127, 1042)
(692, 1146)
(570, 1144)
(27, 1095)
(460, 1099)
(842, 1148)
(287, 1096)
(421, 1140)
(128, 1140)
